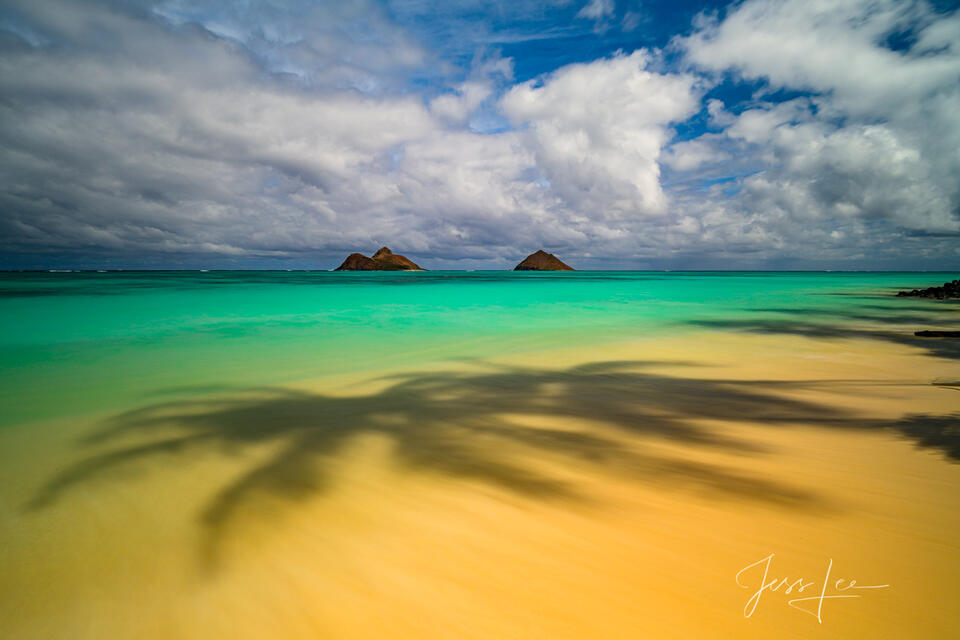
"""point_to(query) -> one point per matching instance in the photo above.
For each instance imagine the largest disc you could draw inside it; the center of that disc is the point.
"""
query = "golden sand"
(546, 496)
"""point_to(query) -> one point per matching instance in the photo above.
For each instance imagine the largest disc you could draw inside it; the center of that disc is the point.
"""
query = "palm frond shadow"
(938, 348)
(857, 320)
(464, 426)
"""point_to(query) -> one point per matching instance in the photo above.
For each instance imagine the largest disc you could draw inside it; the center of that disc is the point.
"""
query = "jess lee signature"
(811, 604)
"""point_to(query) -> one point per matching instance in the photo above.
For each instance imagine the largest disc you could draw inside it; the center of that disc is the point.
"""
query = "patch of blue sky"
(708, 179)
(543, 36)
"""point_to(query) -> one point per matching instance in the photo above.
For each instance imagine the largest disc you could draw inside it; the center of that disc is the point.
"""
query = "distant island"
(386, 260)
(382, 260)
(542, 261)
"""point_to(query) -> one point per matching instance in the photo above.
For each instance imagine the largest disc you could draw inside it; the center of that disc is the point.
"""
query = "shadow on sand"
(936, 347)
(467, 426)
(864, 317)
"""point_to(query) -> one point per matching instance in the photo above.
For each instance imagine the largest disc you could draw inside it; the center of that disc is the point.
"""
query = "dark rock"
(357, 262)
(542, 261)
(937, 334)
(382, 260)
(394, 262)
(948, 290)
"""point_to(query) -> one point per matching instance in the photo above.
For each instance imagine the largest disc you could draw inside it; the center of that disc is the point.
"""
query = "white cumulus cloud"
(598, 129)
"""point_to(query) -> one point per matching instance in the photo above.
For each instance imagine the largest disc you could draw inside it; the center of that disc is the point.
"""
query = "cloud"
(329, 44)
(692, 154)
(596, 9)
(486, 76)
(597, 130)
(458, 105)
(837, 47)
(869, 156)
(758, 125)
(135, 149)
(175, 133)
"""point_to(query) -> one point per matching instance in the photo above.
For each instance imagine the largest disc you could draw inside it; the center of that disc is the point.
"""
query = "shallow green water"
(73, 343)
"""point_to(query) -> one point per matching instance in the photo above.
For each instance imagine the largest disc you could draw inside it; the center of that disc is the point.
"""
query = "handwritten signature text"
(747, 578)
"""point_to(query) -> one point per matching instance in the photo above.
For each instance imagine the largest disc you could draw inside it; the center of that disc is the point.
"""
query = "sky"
(621, 134)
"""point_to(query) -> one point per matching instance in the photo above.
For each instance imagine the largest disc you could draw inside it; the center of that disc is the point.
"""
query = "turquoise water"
(89, 342)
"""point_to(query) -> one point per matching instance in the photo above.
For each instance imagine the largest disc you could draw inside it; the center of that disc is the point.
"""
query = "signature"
(804, 603)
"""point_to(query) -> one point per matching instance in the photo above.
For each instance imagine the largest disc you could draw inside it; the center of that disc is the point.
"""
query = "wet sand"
(592, 492)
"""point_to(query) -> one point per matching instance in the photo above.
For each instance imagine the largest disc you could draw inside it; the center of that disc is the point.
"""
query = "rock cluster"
(948, 290)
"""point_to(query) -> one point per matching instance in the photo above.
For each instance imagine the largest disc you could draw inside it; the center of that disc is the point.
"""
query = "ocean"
(85, 341)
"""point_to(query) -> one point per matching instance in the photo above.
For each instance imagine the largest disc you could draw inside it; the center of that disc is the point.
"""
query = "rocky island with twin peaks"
(382, 260)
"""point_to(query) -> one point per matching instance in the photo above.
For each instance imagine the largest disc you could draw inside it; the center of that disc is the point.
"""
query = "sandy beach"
(604, 492)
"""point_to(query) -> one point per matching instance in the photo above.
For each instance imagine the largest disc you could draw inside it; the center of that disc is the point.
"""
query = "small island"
(382, 260)
(542, 261)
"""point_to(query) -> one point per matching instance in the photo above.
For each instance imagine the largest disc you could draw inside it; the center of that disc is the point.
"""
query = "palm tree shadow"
(464, 426)
(856, 320)
(941, 432)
